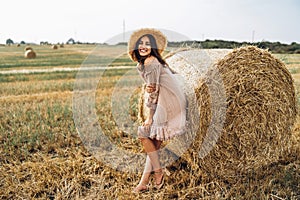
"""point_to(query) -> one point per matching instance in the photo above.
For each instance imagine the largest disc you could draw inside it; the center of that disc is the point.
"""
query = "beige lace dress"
(168, 100)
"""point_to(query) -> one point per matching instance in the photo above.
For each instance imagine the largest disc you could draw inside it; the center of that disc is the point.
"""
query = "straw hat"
(160, 38)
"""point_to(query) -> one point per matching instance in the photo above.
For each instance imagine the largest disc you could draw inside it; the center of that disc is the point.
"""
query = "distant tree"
(71, 41)
(122, 43)
(294, 47)
(9, 41)
(22, 42)
(44, 43)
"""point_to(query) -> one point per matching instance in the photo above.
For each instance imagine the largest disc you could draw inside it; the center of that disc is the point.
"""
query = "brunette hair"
(154, 51)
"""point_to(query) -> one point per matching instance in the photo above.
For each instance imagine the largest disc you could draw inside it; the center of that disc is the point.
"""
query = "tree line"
(274, 47)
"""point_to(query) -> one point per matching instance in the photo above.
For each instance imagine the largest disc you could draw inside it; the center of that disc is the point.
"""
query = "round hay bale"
(54, 46)
(251, 128)
(61, 46)
(30, 54)
(28, 48)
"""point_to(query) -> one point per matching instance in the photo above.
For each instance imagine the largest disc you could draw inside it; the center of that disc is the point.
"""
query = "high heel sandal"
(160, 185)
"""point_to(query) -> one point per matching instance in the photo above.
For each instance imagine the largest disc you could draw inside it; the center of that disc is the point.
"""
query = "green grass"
(45, 57)
(12, 57)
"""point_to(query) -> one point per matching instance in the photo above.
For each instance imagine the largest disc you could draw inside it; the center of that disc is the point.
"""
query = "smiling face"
(144, 46)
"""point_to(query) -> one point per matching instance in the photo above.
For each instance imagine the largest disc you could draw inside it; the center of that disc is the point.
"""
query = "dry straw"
(30, 54)
(260, 110)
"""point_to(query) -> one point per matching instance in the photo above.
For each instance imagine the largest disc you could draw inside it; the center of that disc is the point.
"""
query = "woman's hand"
(150, 88)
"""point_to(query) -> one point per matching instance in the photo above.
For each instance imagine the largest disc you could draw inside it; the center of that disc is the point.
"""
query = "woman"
(165, 100)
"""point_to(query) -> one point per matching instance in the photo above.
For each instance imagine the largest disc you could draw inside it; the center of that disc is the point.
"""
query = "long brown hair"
(154, 51)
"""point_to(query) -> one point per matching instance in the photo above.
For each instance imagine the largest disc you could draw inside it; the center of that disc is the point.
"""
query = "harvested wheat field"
(243, 107)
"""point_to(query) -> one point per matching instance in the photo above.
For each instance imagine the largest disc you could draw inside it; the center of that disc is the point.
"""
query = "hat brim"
(160, 38)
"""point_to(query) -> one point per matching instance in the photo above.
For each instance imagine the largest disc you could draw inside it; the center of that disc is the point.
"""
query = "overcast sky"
(97, 21)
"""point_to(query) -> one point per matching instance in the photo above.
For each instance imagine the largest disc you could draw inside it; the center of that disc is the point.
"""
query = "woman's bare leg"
(146, 173)
(158, 174)
(151, 147)
(148, 166)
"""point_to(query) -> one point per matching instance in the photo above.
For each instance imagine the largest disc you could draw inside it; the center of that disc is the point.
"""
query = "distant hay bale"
(258, 113)
(30, 54)
(28, 48)
(54, 46)
(61, 46)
